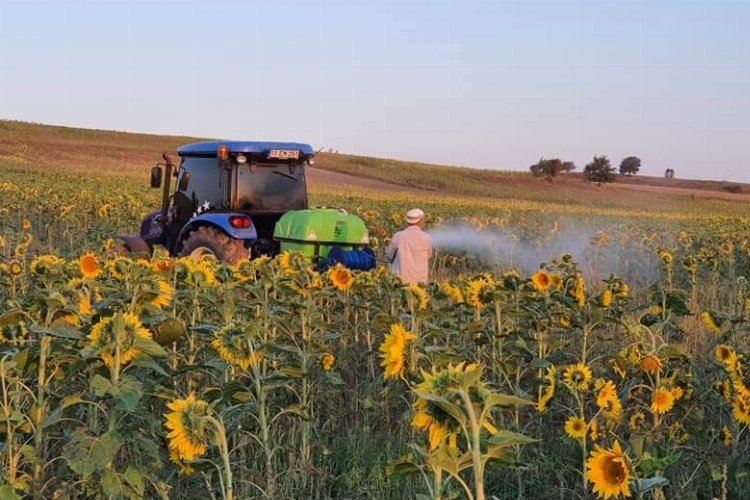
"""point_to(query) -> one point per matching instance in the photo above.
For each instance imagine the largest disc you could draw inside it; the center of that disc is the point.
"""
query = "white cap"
(414, 215)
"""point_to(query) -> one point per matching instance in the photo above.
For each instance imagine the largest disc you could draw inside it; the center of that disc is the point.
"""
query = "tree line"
(599, 170)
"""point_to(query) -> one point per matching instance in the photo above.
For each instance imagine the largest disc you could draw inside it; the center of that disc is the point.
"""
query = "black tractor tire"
(208, 240)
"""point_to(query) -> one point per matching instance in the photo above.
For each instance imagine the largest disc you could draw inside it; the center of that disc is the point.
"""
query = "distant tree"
(599, 170)
(669, 173)
(630, 165)
(550, 168)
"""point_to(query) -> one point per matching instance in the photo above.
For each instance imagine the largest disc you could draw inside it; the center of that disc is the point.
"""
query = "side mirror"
(156, 176)
(184, 181)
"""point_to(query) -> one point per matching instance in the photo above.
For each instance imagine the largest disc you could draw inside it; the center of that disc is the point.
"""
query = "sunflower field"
(617, 371)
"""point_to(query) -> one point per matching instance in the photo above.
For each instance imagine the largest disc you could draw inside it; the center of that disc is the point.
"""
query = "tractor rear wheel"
(210, 241)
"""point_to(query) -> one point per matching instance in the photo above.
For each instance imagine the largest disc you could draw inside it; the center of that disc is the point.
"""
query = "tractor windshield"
(270, 188)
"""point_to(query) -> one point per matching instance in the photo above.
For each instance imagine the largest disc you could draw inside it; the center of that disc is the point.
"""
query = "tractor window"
(271, 188)
(205, 185)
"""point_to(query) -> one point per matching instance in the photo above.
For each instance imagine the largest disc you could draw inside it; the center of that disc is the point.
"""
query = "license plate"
(284, 154)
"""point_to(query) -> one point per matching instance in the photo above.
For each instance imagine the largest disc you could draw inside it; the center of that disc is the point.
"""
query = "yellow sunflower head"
(651, 364)
(606, 298)
(609, 472)
(711, 321)
(341, 277)
(663, 401)
(542, 280)
(26, 224)
(741, 408)
(419, 295)
(190, 431)
(479, 292)
(47, 265)
(327, 361)
(577, 376)
(726, 436)
(452, 291)
(575, 427)
(89, 265)
(120, 330)
(235, 346)
(393, 351)
(636, 420)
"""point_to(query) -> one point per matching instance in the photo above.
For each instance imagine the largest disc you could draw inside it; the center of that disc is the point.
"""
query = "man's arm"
(390, 252)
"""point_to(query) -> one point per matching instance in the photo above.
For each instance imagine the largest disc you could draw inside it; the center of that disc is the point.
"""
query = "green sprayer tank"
(315, 231)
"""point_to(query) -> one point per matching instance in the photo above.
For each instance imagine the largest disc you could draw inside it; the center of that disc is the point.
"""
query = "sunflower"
(452, 291)
(651, 364)
(189, 428)
(542, 280)
(327, 360)
(677, 392)
(183, 468)
(15, 268)
(235, 347)
(741, 408)
(201, 273)
(245, 270)
(609, 401)
(711, 321)
(607, 298)
(575, 427)
(341, 277)
(118, 267)
(565, 321)
(84, 304)
(46, 264)
(580, 291)
(655, 309)
(725, 354)
(89, 264)
(546, 392)
(595, 431)
(609, 472)
(420, 294)
(636, 420)
(478, 293)
(663, 401)
(165, 295)
(120, 330)
(26, 224)
(2, 242)
(286, 262)
(162, 266)
(726, 436)
(577, 376)
(393, 351)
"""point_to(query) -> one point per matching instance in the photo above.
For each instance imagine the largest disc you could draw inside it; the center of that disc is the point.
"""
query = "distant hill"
(30, 145)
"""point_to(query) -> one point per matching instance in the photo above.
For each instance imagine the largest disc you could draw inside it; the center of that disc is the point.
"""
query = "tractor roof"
(261, 147)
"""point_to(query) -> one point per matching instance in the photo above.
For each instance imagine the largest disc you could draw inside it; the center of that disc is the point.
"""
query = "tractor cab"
(227, 198)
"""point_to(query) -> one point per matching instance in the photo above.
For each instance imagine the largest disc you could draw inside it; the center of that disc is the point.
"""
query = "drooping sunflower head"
(711, 321)
(119, 267)
(190, 431)
(417, 296)
(727, 436)
(118, 331)
(89, 265)
(164, 296)
(452, 291)
(393, 351)
(479, 292)
(341, 277)
(575, 427)
(651, 364)
(47, 266)
(236, 347)
(609, 472)
(636, 420)
(577, 376)
(724, 353)
(663, 401)
(741, 408)
(202, 273)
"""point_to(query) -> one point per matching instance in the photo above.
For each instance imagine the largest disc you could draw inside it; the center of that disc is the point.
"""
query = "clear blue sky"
(483, 83)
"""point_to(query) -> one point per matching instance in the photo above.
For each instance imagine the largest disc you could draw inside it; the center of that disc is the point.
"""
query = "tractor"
(239, 199)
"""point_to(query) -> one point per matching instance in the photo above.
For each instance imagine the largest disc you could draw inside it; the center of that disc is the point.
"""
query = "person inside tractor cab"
(410, 250)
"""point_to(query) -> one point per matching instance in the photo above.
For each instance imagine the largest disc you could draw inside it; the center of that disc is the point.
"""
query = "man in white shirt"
(410, 250)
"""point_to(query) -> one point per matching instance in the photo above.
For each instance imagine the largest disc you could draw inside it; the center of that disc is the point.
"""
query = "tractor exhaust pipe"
(165, 193)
